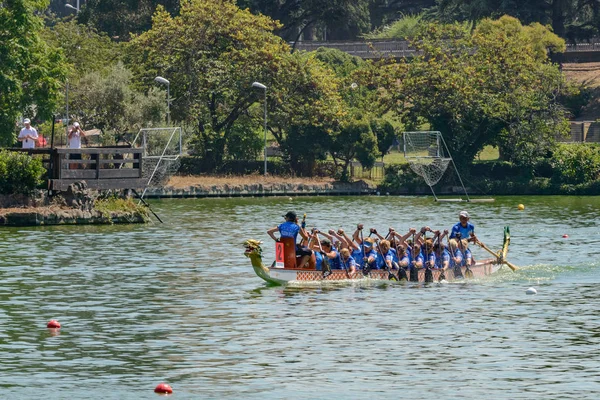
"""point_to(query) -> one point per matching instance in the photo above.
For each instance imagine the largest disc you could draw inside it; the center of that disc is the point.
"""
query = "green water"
(178, 302)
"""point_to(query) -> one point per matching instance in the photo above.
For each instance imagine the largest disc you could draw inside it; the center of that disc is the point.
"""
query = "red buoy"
(163, 388)
(54, 324)
(565, 236)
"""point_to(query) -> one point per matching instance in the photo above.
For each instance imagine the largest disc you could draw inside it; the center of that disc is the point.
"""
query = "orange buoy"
(163, 388)
(53, 324)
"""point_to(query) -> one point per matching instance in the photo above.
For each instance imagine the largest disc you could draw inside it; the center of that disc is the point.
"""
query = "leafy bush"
(576, 163)
(19, 173)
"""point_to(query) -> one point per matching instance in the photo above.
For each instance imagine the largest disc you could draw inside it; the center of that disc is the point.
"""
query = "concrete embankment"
(262, 190)
(77, 206)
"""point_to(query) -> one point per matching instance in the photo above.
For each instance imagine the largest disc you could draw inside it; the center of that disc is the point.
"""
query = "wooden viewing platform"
(100, 167)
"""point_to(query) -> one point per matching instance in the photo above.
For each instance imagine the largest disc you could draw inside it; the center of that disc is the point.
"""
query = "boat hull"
(289, 275)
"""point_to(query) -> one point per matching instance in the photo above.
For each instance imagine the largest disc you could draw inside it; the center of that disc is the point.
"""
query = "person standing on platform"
(28, 135)
(75, 136)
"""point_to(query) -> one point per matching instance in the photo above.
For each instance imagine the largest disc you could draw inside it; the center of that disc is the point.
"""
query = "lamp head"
(162, 80)
(259, 85)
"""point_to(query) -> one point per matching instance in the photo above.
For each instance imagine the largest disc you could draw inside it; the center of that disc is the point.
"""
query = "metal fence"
(377, 173)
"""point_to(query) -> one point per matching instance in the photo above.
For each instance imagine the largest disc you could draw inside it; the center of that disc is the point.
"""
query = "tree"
(306, 108)
(30, 71)
(121, 18)
(107, 101)
(494, 86)
(354, 140)
(211, 53)
(385, 133)
(85, 49)
(345, 19)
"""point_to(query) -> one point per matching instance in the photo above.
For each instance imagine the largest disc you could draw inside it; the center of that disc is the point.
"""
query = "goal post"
(162, 149)
(429, 157)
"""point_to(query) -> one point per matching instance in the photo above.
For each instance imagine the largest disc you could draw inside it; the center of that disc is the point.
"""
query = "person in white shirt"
(28, 135)
(75, 135)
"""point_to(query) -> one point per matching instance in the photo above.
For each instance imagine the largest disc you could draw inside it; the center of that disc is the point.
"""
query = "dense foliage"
(30, 70)
(19, 172)
(482, 76)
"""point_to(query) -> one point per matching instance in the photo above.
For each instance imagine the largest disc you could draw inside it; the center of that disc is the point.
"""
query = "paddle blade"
(511, 266)
(468, 274)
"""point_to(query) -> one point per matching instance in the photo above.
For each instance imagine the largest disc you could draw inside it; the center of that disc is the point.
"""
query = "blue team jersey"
(335, 263)
(349, 263)
(319, 261)
(289, 229)
(444, 257)
(431, 258)
(405, 258)
(465, 232)
(419, 257)
(389, 256)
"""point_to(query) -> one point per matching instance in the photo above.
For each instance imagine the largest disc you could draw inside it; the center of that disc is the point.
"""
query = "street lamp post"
(76, 8)
(164, 81)
(259, 85)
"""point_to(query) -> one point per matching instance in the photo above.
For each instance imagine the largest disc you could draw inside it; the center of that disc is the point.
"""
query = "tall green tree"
(108, 101)
(211, 53)
(31, 72)
(495, 86)
(344, 19)
(121, 18)
(354, 140)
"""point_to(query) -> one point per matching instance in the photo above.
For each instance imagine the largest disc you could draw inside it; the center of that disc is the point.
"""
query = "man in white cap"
(28, 135)
(462, 230)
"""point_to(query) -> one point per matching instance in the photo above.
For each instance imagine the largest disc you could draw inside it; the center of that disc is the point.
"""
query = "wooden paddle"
(468, 272)
(498, 257)
(428, 272)
(439, 257)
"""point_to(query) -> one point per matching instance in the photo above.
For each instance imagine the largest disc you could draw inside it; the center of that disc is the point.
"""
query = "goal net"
(427, 155)
(161, 156)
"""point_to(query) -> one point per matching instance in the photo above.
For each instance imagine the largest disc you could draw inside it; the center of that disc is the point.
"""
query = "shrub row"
(20, 173)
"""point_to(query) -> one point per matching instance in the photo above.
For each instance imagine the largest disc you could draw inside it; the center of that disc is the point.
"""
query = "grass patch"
(118, 205)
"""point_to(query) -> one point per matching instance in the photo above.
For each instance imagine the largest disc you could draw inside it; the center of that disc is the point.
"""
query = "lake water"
(179, 303)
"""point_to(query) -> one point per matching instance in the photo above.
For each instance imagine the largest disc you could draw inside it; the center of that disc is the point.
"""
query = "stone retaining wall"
(259, 190)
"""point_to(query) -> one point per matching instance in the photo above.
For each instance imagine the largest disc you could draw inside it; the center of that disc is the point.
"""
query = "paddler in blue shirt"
(291, 229)
(462, 229)
(331, 253)
(385, 259)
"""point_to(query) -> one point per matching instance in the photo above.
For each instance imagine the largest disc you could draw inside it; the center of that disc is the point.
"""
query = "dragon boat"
(280, 274)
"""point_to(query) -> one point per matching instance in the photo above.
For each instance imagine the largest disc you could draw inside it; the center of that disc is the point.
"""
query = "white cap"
(76, 124)
(464, 214)
(26, 121)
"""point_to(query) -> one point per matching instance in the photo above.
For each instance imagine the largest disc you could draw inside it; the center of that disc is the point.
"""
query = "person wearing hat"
(462, 230)
(28, 135)
(75, 135)
(290, 228)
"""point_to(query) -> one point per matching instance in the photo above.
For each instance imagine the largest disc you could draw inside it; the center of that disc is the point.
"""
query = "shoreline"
(256, 186)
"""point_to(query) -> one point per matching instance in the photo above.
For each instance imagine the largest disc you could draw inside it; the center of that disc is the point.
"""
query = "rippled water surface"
(178, 302)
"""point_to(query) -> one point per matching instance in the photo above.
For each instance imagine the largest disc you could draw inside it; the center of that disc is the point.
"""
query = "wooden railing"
(101, 168)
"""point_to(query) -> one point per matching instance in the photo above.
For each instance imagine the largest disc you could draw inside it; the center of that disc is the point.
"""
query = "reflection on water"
(178, 302)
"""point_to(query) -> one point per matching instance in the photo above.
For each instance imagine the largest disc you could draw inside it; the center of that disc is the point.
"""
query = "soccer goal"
(429, 157)
(162, 149)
